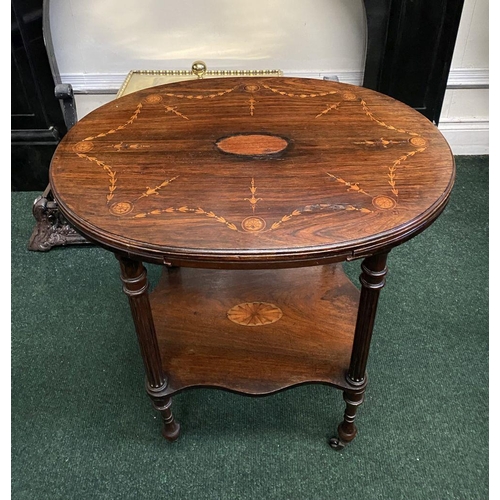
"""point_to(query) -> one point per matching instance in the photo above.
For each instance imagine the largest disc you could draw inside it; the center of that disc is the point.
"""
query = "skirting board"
(466, 137)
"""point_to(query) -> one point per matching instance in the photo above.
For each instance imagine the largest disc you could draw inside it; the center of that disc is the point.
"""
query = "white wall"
(97, 43)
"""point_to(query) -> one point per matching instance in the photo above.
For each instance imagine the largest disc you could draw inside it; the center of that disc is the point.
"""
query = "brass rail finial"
(199, 68)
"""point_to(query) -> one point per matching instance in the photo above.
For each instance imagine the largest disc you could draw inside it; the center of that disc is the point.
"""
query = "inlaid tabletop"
(252, 170)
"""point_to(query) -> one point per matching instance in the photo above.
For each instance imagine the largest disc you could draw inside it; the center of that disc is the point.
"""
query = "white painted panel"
(472, 45)
(477, 49)
(85, 103)
(463, 33)
(466, 104)
(97, 36)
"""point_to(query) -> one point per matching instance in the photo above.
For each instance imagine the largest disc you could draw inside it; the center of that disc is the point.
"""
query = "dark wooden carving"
(51, 228)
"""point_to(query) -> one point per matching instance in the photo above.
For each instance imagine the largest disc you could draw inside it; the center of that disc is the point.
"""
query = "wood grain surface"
(304, 333)
(252, 172)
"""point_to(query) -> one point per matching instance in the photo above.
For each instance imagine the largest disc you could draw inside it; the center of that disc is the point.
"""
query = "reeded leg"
(372, 281)
(135, 286)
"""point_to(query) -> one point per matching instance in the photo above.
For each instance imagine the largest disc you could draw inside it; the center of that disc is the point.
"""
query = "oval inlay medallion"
(256, 145)
(253, 224)
(418, 141)
(384, 202)
(83, 147)
(254, 313)
(153, 98)
(121, 207)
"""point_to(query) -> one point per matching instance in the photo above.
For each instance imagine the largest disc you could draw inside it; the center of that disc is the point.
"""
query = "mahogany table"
(250, 193)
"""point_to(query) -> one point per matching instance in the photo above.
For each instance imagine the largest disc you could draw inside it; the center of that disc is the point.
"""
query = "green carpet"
(82, 426)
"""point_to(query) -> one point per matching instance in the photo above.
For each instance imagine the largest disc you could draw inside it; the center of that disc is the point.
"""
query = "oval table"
(251, 192)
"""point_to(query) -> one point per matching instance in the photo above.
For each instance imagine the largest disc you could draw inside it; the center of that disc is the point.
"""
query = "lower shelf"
(255, 332)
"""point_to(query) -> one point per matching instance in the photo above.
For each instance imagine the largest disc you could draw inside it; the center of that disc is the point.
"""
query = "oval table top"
(252, 172)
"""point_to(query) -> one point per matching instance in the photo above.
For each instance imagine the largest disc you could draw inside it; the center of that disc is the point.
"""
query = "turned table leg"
(135, 286)
(372, 280)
